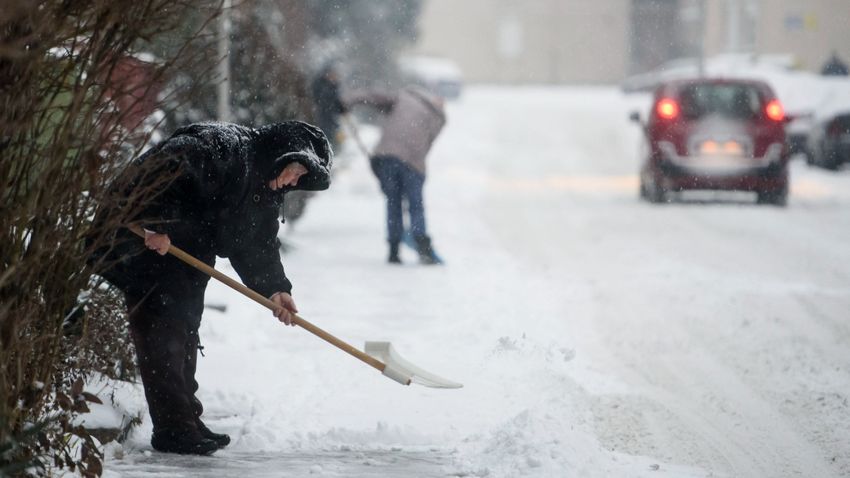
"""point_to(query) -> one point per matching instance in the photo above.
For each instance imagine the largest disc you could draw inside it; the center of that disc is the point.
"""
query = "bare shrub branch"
(74, 98)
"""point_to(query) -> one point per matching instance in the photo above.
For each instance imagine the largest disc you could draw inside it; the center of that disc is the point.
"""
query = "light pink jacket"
(413, 119)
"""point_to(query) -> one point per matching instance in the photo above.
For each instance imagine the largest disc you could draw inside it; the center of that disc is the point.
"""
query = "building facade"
(603, 41)
(532, 41)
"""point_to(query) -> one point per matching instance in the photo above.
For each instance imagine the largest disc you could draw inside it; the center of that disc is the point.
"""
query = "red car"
(717, 134)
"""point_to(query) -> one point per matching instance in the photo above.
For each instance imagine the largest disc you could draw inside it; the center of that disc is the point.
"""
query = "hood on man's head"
(279, 144)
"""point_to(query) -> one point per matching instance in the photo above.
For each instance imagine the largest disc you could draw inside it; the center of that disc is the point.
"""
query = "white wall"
(587, 41)
(531, 41)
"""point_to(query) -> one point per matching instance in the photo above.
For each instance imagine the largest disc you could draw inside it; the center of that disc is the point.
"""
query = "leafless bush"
(74, 95)
(96, 338)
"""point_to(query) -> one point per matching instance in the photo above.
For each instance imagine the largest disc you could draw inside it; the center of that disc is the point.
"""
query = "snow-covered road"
(721, 326)
(596, 335)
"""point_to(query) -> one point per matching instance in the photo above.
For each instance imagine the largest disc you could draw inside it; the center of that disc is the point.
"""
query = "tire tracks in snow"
(690, 397)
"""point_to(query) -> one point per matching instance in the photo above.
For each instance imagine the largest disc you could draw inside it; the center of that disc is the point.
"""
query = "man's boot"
(393, 257)
(185, 442)
(426, 251)
(220, 439)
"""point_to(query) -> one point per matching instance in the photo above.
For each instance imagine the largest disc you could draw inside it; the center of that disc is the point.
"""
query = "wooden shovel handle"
(267, 303)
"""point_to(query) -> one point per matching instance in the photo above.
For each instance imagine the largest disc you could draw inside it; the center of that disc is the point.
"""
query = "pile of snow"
(123, 402)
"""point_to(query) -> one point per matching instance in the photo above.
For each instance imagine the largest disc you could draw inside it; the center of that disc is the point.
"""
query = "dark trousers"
(399, 183)
(164, 326)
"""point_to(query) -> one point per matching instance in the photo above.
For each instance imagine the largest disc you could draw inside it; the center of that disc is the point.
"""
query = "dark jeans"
(164, 327)
(401, 182)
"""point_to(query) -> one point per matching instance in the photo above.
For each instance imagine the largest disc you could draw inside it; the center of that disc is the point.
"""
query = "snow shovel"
(356, 135)
(379, 355)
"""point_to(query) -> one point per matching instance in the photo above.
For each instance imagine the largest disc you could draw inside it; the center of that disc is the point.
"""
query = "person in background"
(327, 106)
(325, 89)
(221, 187)
(835, 66)
(412, 120)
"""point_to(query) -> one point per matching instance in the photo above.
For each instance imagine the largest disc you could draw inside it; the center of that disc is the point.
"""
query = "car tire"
(652, 193)
(774, 198)
(825, 159)
(831, 161)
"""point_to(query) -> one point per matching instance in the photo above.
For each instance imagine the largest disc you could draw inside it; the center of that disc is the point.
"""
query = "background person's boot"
(393, 257)
(426, 251)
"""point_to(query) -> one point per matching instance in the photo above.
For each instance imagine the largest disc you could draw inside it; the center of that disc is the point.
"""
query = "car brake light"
(667, 109)
(774, 110)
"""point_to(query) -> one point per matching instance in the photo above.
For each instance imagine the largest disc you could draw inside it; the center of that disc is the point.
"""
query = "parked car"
(797, 133)
(715, 134)
(828, 144)
(441, 76)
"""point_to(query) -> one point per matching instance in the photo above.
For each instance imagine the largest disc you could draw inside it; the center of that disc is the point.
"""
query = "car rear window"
(734, 101)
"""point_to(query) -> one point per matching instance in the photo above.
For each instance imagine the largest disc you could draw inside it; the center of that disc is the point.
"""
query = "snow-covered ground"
(595, 335)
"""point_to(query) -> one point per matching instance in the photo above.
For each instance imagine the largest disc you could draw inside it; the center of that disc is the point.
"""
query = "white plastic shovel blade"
(402, 371)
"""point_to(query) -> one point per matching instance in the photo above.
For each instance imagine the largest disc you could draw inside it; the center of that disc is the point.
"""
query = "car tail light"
(774, 110)
(667, 108)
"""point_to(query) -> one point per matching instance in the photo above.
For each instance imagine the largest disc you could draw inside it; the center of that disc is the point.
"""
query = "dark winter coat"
(835, 67)
(218, 203)
(329, 106)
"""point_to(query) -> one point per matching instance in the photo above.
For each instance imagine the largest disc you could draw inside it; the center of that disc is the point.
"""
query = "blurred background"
(556, 42)
(276, 49)
(262, 56)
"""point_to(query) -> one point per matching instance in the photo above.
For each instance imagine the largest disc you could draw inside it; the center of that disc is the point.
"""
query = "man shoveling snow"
(224, 185)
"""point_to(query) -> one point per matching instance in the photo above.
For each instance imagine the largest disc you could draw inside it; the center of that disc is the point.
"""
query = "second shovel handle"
(265, 302)
(356, 134)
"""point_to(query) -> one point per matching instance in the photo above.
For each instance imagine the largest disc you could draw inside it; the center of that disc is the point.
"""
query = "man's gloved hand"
(287, 307)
